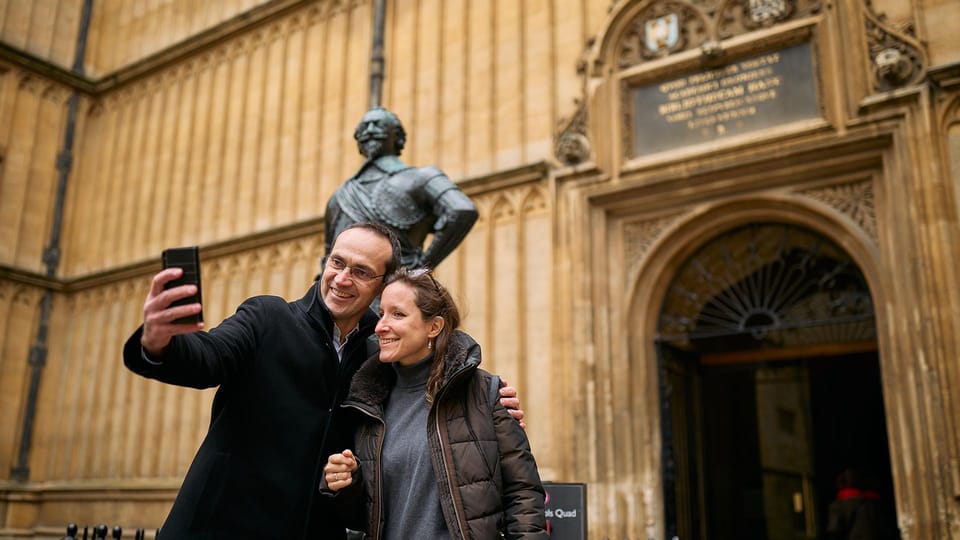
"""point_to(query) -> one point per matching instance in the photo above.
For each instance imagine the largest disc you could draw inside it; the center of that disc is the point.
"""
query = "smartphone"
(187, 258)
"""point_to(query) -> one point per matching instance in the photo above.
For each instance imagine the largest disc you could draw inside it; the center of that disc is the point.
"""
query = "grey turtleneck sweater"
(411, 502)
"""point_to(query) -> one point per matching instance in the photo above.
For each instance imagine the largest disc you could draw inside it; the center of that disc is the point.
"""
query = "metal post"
(376, 54)
(51, 258)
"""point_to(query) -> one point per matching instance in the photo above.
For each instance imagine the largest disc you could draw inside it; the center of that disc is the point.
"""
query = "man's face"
(346, 296)
(375, 135)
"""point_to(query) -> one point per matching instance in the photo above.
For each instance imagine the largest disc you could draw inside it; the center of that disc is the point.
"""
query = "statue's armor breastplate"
(415, 202)
(396, 199)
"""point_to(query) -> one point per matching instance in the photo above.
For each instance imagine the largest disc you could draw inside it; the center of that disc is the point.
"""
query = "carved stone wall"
(34, 110)
(47, 29)
(230, 131)
(868, 174)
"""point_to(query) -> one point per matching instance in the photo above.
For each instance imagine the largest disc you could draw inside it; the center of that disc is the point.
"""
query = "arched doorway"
(770, 386)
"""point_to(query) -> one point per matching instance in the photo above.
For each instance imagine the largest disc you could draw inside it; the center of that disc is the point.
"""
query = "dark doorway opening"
(777, 434)
(770, 386)
(851, 427)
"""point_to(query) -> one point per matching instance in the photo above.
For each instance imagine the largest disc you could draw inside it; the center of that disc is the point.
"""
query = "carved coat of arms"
(762, 11)
(662, 33)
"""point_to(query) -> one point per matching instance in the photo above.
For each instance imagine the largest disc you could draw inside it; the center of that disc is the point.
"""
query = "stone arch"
(647, 290)
(683, 237)
(950, 123)
(534, 201)
(766, 285)
(502, 209)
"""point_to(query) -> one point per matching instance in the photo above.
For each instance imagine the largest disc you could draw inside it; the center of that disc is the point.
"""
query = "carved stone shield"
(762, 11)
(662, 33)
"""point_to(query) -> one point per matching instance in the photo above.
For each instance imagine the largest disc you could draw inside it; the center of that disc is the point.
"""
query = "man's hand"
(509, 399)
(158, 316)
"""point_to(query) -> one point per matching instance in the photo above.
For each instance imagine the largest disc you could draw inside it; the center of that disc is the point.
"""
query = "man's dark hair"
(379, 228)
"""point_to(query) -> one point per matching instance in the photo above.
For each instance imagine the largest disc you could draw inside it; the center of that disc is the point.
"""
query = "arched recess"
(951, 126)
(623, 21)
(649, 287)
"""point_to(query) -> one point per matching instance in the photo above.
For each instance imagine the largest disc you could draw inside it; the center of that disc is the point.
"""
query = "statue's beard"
(372, 148)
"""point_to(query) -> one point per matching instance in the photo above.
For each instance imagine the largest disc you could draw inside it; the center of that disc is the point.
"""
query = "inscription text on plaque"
(753, 93)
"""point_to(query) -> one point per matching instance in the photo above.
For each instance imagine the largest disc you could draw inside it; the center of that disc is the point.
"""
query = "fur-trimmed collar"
(373, 381)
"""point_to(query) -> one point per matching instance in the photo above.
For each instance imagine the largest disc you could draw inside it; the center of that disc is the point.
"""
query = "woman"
(435, 456)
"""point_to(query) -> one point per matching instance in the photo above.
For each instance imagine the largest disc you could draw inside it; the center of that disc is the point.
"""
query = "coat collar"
(373, 381)
(320, 317)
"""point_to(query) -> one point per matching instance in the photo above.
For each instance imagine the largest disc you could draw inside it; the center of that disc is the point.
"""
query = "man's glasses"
(358, 273)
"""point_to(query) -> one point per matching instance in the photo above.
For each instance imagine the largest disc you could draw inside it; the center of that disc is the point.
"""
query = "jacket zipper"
(446, 473)
(377, 466)
(443, 453)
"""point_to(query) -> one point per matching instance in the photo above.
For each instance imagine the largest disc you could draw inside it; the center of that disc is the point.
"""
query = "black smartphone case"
(187, 258)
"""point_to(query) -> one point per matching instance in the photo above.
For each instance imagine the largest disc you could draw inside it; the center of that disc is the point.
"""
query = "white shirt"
(339, 345)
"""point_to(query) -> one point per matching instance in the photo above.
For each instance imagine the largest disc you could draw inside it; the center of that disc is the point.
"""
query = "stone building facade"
(716, 249)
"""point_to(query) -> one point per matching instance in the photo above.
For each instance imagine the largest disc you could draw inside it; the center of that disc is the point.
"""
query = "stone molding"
(277, 14)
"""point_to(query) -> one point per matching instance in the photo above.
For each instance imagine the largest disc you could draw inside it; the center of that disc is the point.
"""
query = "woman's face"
(403, 333)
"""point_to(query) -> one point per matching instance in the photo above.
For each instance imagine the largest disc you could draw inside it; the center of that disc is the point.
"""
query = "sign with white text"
(566, 510)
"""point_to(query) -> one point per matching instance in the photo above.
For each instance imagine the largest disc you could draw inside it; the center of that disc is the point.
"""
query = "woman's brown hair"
(433, 300)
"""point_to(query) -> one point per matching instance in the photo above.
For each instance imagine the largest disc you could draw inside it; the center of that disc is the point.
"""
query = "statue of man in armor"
(413, 201)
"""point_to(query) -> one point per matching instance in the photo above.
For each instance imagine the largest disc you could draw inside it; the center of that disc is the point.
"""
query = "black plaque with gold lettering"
(753, 93)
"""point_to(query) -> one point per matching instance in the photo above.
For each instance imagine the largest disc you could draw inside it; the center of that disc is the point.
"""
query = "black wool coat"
(274, 420)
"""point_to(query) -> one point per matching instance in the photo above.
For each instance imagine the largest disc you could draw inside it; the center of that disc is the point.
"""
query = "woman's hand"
(338, 472)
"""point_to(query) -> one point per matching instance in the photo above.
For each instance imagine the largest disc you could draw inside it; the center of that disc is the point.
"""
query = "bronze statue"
(413, 201)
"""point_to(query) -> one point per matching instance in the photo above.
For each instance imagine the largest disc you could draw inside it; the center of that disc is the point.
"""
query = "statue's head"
(380, 133)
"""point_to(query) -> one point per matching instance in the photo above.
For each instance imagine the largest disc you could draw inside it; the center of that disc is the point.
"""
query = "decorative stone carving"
(502, 210)
(766, 12)
(534, 201)
(26, 296)
(640, 235)
(669, 26)
(897, 57)
(740, 16)
(660, 29)
(56, 94)
(508, 204)
(29, 83)
(656, 29)
(573, 145)
(340, 6)
(854, 200)
(768, 285)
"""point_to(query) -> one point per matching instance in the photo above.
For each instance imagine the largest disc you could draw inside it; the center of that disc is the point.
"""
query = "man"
(282, 369)
(414, 202)
(858, 512)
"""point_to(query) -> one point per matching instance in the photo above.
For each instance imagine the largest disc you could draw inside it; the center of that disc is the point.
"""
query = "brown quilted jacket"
(508, 498)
